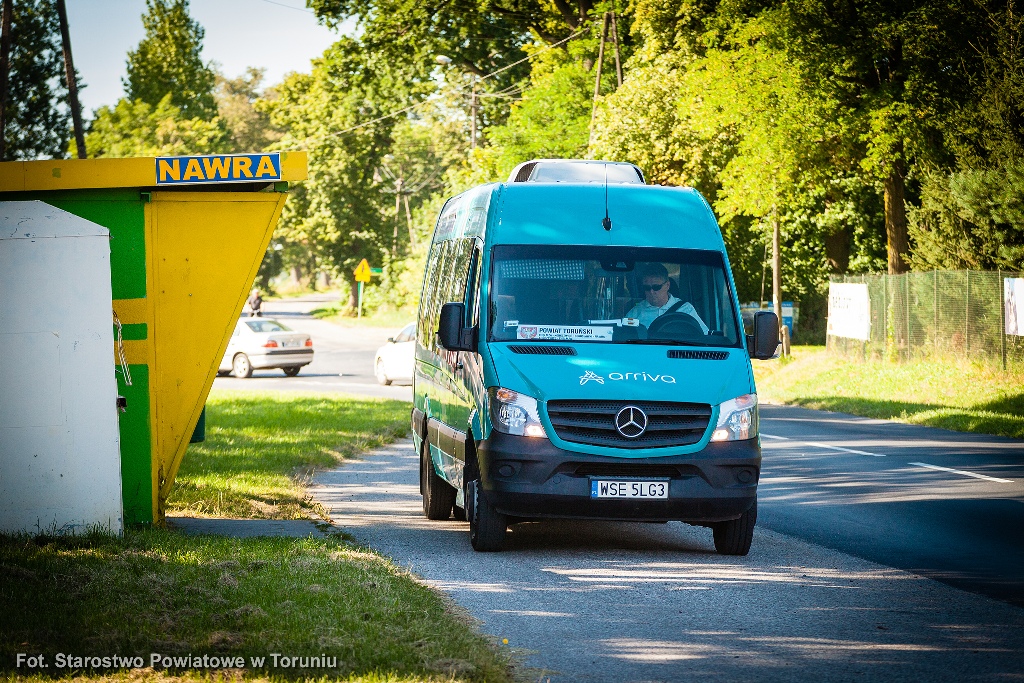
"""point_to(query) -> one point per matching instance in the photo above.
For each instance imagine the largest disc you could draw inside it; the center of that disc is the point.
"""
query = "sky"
(278, 35)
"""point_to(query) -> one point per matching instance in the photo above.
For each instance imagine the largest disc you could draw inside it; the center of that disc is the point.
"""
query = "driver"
(657, 300)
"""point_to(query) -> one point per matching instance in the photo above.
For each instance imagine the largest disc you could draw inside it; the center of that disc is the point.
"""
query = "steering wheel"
(675, 326)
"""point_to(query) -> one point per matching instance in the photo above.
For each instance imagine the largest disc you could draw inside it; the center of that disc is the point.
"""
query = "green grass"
(951, 394)
(156, 591)
(339, 315)
(159, 591)
(262, 448)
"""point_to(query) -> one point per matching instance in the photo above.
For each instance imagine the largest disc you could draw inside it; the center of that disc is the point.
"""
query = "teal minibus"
(580, 354)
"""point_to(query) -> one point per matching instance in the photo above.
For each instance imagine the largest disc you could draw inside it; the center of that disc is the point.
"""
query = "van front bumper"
(532, 478)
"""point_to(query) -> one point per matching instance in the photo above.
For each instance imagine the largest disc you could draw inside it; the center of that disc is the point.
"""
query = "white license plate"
(611, 488)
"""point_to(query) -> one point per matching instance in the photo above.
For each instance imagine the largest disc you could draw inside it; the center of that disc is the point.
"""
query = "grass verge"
(957, 395)
(262, 448)
(339, 315)
(159, 592)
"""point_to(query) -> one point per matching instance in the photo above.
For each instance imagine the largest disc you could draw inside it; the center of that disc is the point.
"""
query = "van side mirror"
(765, 340)
(451, 332)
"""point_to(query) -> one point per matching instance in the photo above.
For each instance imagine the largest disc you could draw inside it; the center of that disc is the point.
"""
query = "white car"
(394, 361)
(262, 343)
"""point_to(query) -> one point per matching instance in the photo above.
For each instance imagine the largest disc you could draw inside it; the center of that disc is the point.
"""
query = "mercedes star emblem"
(631, 422)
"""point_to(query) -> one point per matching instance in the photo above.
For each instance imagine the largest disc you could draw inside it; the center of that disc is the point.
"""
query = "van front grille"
(543, 350)
(698, 355)
(593, 423)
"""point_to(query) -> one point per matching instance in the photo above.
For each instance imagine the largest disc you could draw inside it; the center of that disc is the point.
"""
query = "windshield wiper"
(667, 342)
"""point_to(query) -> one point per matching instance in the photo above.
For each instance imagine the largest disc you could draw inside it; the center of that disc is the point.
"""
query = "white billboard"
(1013, 304)
(849, 311)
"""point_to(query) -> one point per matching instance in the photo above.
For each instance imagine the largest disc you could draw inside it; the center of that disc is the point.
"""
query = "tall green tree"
(168, 60)
(891, 63)
(250, 129)
(137, 129)
(972, 215)
(37, 114)
(342, 214)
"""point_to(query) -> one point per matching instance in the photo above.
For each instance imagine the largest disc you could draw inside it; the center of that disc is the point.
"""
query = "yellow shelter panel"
(206, 250)
(141, 172)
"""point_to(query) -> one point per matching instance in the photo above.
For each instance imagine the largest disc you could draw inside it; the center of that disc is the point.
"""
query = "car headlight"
(514, 413)
(737, 419)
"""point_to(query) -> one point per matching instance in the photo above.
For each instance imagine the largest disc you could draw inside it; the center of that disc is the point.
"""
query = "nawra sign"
(218, 168)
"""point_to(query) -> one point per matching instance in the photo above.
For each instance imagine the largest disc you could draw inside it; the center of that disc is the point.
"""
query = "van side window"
(473, 290)
(429, 308)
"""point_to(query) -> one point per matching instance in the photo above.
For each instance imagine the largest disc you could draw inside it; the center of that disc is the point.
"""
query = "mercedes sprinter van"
(580, 354)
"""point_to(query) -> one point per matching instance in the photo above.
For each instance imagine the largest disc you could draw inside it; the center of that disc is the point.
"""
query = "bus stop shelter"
(187, 236)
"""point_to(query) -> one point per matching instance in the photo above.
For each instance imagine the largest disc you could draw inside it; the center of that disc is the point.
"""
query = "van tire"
(487, 526)
(438, 495)
(734, 537)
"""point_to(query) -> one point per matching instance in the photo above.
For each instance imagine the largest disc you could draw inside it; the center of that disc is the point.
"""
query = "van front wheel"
(734, 537)
(438, 495)
(487, 526)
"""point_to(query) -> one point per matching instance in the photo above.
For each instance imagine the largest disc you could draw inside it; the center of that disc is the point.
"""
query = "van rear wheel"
(487, 526)
(734, 537)
(438, 495)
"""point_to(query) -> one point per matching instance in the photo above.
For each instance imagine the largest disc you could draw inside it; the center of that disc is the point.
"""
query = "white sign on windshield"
(849, 311)
(564, 332)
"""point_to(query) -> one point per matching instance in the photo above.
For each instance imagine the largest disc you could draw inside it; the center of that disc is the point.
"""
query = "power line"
(313, 139)
(297, 9)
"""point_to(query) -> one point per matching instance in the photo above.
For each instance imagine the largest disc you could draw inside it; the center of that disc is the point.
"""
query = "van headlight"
(737, 419)
(514, 413)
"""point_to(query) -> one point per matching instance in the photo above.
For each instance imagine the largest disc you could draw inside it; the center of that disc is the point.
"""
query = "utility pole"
(618, 55)
(398, 208)
(408, 221)
(597, 78)
(5, 67)
(472, 117)
(69, 68)
(777, 278)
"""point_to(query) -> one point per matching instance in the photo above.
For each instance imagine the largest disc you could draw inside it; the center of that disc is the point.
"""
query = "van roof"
(641, 215)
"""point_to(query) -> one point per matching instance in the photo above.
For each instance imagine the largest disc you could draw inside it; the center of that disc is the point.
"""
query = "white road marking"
(826, 446)
(845, 450)
(962, 472)
(880, 455)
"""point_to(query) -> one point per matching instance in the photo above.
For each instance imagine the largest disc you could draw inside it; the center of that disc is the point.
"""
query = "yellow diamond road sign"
(362, 271)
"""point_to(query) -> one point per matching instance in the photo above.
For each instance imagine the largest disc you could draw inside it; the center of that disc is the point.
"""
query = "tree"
(249, 128)
(340, 215)
(37, 114)
(972, 216)
(890, 63)
(138, 129)
(168, 61)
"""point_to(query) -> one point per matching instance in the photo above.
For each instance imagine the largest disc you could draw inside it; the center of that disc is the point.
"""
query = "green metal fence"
(959, 313)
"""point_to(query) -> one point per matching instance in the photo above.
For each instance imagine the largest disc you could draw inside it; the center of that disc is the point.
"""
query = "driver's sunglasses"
(653, 288)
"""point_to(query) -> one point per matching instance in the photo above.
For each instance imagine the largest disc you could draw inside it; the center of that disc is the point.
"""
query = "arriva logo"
(620, 376)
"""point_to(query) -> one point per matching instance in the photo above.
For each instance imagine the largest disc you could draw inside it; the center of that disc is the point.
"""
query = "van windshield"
(629, 295)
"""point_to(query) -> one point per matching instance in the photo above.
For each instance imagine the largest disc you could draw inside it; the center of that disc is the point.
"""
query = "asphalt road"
(941, 504)
(342, 356)
(583, 601)
(882, 550)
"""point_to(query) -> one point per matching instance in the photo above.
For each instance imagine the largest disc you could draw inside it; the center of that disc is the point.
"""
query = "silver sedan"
(262, 343)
